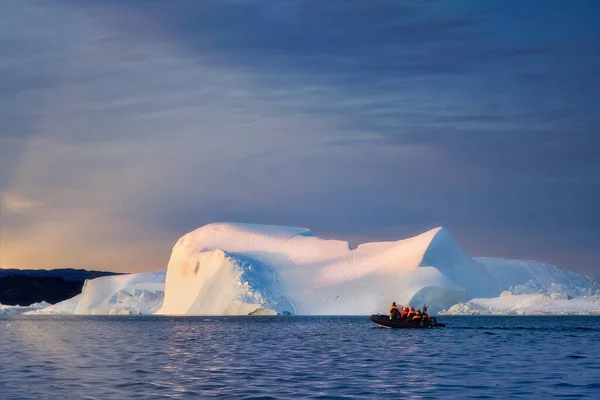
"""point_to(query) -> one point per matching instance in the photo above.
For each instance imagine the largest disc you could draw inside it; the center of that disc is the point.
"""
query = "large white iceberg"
(241, 269)
(236, 268)
(227, 269)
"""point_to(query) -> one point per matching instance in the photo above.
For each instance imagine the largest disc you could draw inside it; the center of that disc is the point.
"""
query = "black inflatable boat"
(385, 321)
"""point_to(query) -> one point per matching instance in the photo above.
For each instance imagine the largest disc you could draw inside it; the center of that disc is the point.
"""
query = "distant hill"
(24, 287)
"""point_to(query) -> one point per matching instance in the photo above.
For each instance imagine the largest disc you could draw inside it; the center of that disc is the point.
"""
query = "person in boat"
(425, 316)
(411, 314)
(418, 317)
(405, 313)
(394, 312)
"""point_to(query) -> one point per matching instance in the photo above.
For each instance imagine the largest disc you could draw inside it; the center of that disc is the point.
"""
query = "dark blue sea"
(59, 357)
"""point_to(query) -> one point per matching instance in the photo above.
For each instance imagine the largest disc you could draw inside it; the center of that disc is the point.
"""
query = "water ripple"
(296, 357)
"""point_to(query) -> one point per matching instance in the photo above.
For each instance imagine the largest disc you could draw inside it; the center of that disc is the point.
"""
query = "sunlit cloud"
(16, 203)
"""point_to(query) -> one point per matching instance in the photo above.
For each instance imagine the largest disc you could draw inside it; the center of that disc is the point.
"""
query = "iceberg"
(531, 277)
(6, 309)
(140, 293)
(245, 269)
(533, 288)
(528, 304)
(64, 307)
(232, 269)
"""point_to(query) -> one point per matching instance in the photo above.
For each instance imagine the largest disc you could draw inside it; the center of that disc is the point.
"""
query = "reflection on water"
(296, 357)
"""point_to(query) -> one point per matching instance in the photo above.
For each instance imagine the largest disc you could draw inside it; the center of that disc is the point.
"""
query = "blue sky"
(126, 124)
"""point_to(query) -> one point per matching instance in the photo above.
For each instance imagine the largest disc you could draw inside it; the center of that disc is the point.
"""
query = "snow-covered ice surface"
(5, 309)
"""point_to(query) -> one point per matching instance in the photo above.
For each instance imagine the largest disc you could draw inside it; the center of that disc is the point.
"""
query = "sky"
(126, 124)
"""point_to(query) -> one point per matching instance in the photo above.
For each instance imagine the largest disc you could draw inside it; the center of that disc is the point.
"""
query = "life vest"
(394, 308)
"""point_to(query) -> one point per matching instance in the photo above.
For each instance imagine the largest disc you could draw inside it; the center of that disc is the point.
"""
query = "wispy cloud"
(16, 203)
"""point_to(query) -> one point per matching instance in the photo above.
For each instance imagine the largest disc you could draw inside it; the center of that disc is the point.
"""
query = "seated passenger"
(411, 314)
(394, 312)
(418, 316)
(404, 313)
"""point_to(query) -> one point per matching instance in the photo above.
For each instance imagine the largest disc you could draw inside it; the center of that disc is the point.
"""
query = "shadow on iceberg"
(263, 284)
(438, 298)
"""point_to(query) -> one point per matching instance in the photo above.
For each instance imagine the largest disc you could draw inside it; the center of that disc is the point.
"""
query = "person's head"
(393, 303)
(412, 309)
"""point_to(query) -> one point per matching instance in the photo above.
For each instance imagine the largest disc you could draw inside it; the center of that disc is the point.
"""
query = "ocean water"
(59, 357)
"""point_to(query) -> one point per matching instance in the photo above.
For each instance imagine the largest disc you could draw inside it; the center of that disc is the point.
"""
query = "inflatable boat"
(385, 321)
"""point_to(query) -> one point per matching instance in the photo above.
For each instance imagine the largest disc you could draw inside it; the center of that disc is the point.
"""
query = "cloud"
(16, 203)
(125, 127)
